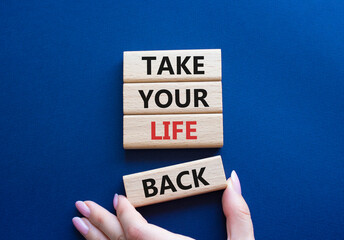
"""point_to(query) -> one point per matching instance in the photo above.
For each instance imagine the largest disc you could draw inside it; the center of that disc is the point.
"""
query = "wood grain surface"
(174, 182)
(173, 131)
(172, 97)
(172, 65)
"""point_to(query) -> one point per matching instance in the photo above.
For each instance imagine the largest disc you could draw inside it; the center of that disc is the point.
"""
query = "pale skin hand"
(100, 224)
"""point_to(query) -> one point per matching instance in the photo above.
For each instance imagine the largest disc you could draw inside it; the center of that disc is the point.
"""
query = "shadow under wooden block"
(173, 131)
(172, 65)
(176, 97)
(174, 182)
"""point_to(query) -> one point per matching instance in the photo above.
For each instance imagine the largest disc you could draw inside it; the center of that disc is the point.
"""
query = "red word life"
(175, 130)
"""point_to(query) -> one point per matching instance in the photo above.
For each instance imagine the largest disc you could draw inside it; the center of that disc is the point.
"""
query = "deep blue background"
(61, 112)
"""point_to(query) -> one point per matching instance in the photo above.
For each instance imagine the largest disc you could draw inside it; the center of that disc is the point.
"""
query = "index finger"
(136, 227)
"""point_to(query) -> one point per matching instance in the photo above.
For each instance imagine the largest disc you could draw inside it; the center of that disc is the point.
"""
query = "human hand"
(100, 224)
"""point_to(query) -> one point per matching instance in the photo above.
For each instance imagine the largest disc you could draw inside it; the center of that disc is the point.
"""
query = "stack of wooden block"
(172, 99)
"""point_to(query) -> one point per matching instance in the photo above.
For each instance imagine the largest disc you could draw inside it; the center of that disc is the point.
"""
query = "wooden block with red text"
(174, 182)
(172, 66)
(173, 131)
(172, 97)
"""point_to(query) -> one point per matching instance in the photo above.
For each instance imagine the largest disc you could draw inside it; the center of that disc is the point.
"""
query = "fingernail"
(115, 201)
(83, 208)
(80, 225)
(236, 182)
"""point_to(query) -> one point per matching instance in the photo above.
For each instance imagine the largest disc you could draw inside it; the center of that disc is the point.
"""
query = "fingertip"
(122, 199)
(120, 203)
(83, 208)
(123, 203)
(239, 222)
(231, 198)
(127, 213)
(80, 225)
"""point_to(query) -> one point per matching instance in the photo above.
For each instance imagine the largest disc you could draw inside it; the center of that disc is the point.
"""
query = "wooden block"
(173, 131)
(172, 66)
(182, 97)
(173, 182)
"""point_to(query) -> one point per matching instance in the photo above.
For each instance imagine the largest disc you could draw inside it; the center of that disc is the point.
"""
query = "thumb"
(238, 217)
